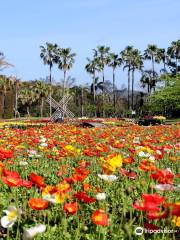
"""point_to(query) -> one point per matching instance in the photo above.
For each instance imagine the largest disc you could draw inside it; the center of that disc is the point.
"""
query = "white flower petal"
(100, 196)
(30, 233)
(109, 178)
(5, 223)
(164, 187)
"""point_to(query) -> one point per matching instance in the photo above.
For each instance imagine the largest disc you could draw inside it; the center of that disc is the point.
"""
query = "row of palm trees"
(133, 60)
(130, 59)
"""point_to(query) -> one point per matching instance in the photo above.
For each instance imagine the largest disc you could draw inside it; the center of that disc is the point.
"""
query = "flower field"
(62, 181)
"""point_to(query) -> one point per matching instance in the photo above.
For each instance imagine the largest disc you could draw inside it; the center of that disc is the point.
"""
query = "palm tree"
(152, 53)
(65, 62)
(27, 97)
(3, 63)
(147, 79)
(163, 57)
(92, 67)
(16, 84)
(102, 53)
(49, 57)
(42, 91)
(136, 64)
(174, 53)
(126, 55)
(114, 62)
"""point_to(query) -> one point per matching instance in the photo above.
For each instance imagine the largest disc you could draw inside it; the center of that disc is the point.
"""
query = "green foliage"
(167, 98)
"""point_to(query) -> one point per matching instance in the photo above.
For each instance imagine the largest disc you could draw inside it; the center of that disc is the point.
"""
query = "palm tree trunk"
(103, 95)
(64, 86)
(94, 92)
(2, 101)
(128, 88)
(50, 93)
(132, 94)
(82, 102)
(114, 97)
(16, 99)
(153, 72)
(176, 66)
(28, 113)
(41, 107)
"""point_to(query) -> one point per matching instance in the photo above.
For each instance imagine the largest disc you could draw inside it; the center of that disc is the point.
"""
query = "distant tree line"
(101, 97)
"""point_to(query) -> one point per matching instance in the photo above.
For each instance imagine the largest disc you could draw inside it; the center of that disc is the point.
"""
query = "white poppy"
(43, 140)
(100, 196)
(141, 154)
(43, 144)
(152, 158)
(164, 187)
(109, 178)
(30, 233)
(158, 152)
(50, 198)
(12, 213)
(23, 163)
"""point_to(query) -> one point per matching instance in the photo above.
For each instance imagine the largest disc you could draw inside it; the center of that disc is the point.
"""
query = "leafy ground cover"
(61, 181)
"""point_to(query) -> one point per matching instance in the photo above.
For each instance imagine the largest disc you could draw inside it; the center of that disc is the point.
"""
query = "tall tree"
(114, 62)
(27, 97)
(42, 91)
(136, 64)
(174, 53)
(147, 79)
(163, 58)
(92, 67)
(49, 57)
(102, 54)
(126, 55)
(152, 54)
(65, 62)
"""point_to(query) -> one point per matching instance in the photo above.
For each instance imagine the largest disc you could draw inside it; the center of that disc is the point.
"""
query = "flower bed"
(65, 182)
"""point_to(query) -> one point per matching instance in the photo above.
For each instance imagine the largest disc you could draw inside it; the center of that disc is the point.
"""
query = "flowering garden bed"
(66, 182)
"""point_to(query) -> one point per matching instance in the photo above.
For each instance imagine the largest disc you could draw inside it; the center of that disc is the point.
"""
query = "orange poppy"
(12, 181)
(37, 180)
(99, 217)
(71, 208)
(37, 203)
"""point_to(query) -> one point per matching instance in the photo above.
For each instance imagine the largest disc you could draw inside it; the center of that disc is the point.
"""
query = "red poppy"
(146, 165)
(82, 196)
(37, 180)
(37, 203)
(69, 180)
(131, 175)
(78, 177)
(71, 208)
(155, 198)
(157, 215)
(150, 226)
(12, 181)
(99, 217)
(4, 154)
(163, 176)
(6, 173)
(150, 203)
(173, 208)
(26, 184)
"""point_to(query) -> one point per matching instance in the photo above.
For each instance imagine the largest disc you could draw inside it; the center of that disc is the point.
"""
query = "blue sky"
(82, 25)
